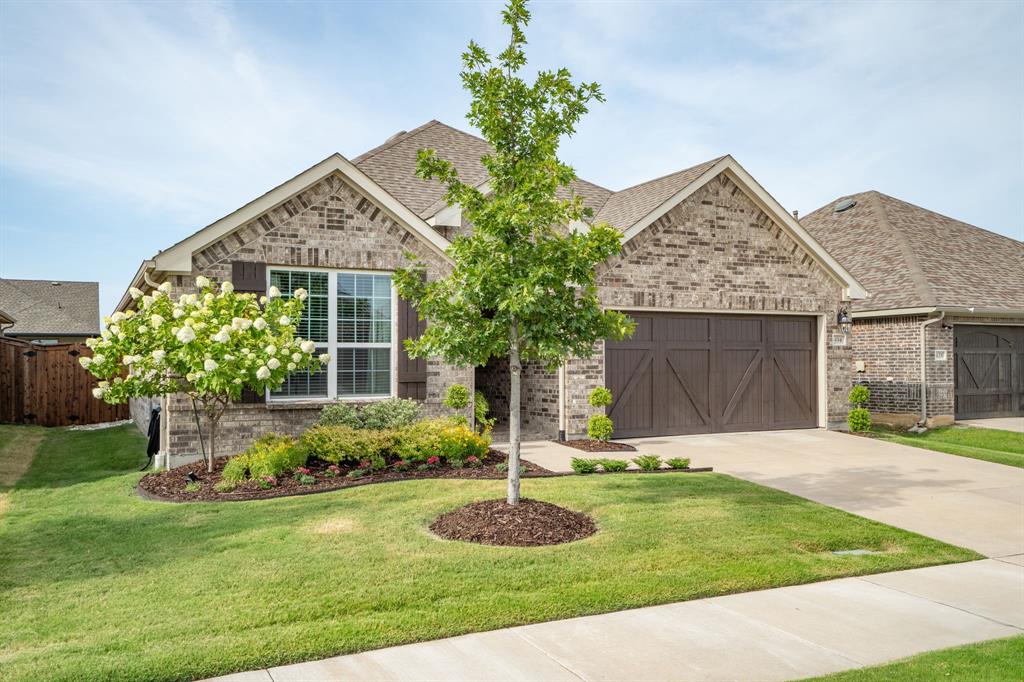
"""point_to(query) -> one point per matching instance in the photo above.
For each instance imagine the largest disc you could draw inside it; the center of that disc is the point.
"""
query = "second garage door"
(681, 374)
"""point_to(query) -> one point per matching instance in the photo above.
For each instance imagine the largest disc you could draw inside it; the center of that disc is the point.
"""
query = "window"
(349, 315)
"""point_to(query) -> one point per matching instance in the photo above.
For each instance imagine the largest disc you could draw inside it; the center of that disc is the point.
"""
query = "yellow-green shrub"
(444, 438)
(269, 455)
(344, 445)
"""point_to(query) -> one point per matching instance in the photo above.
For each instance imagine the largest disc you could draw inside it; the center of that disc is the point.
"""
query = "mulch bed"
(590, 445)
(169, 486)
(530, 523)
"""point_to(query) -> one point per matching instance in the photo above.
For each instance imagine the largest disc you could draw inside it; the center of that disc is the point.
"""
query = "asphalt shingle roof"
(48, 307)
(627, 206)
(908, 257)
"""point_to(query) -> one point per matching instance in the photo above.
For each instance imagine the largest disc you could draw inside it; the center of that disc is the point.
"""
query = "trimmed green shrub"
(393, 413)
(340, 414)
(678, 463)
(269, 456)
(600, 397)
(584, 466)
(224, 486)
(456, 397)
(344, 445)
(859, 419)
(859, 395)
(614, 464)
(356, 473)
(193, 487)
(600, 427)
(648, 462)
(481, 410)
(444, 438)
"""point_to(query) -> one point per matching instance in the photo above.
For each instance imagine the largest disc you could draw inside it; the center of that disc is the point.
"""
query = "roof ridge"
(388, 144)
(947, 217)
(669, 175)
(914, 269)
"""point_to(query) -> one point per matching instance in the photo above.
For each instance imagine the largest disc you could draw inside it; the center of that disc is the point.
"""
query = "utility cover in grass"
(530, 523)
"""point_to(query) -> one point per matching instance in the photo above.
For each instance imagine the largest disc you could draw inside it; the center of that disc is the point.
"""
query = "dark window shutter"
(412, 373)
(249, 278)
(252, 397)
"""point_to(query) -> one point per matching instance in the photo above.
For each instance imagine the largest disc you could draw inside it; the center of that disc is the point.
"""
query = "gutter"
(924, 368)
(958, 311)
(562, 417)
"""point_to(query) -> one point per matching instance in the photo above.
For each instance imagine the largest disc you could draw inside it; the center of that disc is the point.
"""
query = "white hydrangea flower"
(263, 300)
(134, 292)
(97, 393)
(159, 355)
(107, 319)
(115, 329)
(260, 324)
(85, 361)
(208, 298)
(325, 358)
(98, 358)
(300, 294)
(210, 364)
(273, 363)
(116, 317)
(308, 347)
(177, 312)
(273, 292)
(156, 321)
(147, 301)
(104, 385)
(105, 333)
(91, 342)
(221, 337)
(202, 282)
(129, 313)
(186, 335)
(291, 366)
(263, 373)
(237, 380)
(226, 287)
(270, 350)
(285, 320)
(296, 357)
(190, 376)
(164, 288)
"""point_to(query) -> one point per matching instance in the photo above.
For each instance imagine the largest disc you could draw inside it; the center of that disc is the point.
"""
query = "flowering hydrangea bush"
(209, 346)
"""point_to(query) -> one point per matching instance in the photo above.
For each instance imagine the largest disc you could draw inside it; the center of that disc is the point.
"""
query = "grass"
(96, 583)
(991, 445)
(1000, 660)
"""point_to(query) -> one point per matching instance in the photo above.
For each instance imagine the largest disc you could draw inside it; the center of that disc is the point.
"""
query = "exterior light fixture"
(844, 321)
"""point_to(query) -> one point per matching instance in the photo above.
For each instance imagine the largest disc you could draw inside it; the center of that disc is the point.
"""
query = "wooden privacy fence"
(45, 385)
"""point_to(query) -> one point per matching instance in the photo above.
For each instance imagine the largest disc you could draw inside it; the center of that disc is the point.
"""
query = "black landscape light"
(191, 476)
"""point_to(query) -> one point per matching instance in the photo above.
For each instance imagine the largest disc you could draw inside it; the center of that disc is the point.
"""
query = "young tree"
(209, 346)
(523, 283)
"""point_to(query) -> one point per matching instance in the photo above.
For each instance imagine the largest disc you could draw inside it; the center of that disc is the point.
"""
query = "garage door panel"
(713, 373)
(987, 371)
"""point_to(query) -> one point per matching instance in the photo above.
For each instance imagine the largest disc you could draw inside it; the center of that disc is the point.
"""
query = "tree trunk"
(515, 369)
(213, 433)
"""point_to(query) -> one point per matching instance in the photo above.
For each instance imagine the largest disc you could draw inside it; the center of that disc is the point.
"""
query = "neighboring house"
(736, 304)
(48, 311)
(955, 287)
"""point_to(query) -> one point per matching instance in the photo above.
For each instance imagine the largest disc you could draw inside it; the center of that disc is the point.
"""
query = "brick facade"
(330, 225)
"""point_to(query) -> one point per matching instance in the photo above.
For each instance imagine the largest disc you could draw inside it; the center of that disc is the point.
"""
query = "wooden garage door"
(989, 374)
(682, 374)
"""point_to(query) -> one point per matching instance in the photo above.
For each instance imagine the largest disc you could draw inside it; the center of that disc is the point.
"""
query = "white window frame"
(332, 337)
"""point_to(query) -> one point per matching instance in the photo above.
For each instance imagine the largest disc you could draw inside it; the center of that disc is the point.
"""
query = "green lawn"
(1001, 660)
(96, 583)
(991, 445)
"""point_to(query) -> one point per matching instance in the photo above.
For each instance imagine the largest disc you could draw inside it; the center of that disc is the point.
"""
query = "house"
(941, 336)
(736, 303)
(49, 311)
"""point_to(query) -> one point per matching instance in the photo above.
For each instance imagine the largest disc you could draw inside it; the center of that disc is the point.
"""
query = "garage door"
(681, 374)
(989, 375)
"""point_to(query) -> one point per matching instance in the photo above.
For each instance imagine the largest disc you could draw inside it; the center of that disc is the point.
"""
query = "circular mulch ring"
(531, 523)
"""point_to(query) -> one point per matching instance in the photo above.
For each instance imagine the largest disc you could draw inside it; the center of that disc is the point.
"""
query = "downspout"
(924, 368)
(561, 402)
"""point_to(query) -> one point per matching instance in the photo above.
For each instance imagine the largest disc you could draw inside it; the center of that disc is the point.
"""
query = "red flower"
(303, 470)
(472, 458)
(434, 460)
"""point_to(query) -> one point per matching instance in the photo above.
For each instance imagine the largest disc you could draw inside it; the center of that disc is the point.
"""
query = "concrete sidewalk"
(779, 634)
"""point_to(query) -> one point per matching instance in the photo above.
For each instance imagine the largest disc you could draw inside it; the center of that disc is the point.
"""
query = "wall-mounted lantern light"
(844, 321)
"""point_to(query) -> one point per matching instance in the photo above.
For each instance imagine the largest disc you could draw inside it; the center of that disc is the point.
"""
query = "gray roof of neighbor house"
(909, 257)
(51, 307)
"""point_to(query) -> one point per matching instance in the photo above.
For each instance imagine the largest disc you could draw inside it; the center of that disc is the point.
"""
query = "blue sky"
(126, 127)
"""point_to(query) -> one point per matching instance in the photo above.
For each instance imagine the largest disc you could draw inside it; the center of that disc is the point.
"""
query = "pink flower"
(472, 458)
(303, 470)
(434, 460)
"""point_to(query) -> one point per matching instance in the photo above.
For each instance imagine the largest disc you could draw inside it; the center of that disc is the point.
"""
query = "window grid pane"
(311, 384)
(364, 308)
(364, 371)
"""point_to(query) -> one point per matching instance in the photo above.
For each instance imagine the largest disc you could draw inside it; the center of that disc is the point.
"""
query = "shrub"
(502, 467)
(332, 471)
(266, 482)
(600, 397)
(224, 486)
(402, 465)
(678, 463)
(648, 462)
(859, 419)
(193, 487)
(442, 438)
(456, 397)
(614, 464)
(584, 466)
(600, 427)
(344, 445)
(357, 473)
(393, 413)
(474, 461)
(858, 395)
(306, 479)
(340, 414)
(269, 456)
(481, 410)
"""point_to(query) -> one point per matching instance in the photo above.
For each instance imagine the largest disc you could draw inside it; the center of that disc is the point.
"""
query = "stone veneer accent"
(715, 252)
(330, 225)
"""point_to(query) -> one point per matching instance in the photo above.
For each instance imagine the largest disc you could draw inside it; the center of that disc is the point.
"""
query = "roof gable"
(51, 307)
(910, 257)
(626, 207)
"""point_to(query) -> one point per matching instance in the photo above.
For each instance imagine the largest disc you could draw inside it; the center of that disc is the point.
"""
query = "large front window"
(349, 315)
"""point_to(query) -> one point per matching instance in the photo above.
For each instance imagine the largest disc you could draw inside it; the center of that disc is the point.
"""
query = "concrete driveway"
(1004, 423)
(966, 502)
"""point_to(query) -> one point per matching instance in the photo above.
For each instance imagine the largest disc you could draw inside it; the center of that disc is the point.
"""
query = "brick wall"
(539, 404)
(716, 251)
(329, 225)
